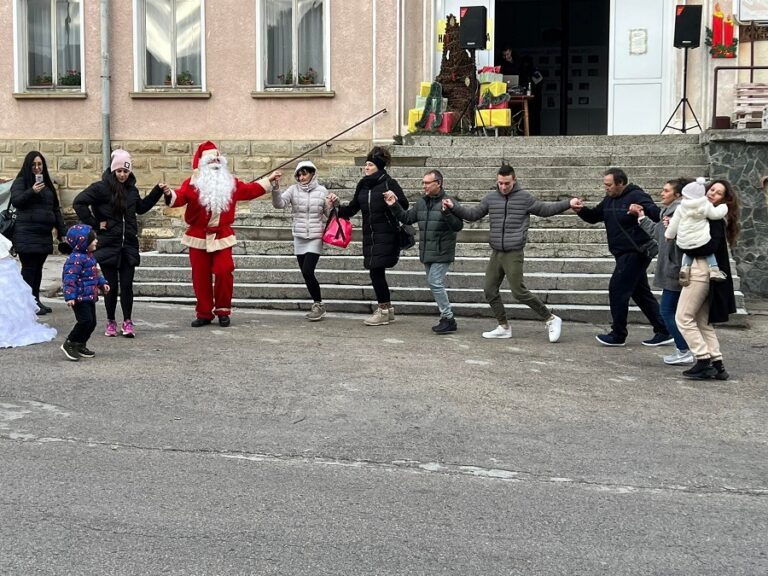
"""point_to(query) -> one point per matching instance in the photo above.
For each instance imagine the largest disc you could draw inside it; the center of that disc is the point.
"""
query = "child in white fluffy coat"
(18, 309)
(690, 225)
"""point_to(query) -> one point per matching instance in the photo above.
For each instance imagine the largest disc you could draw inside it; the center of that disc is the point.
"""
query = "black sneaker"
(702, 370)
(85, 352)
(445, 326)
(609, 339)
(659, 340)
(197, 322)
(224, 321)
(71, 350)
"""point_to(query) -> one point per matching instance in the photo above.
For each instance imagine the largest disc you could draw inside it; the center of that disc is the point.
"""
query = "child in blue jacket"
(81, 280)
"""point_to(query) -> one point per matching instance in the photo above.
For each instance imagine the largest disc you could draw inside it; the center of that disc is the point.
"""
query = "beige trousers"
(692, 316)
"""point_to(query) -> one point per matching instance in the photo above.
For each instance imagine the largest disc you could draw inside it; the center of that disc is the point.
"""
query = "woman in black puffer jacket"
(110, 207)
(38, 212)
(381, 238)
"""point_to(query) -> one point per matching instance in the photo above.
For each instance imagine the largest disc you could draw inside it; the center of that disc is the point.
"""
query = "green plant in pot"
(43, 80)
(185, 78)
(70, 78)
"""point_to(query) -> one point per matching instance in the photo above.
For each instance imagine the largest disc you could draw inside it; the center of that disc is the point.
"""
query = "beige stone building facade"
(269, 79)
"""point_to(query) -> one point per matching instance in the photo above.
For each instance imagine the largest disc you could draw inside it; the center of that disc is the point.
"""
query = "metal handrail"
(717, 71)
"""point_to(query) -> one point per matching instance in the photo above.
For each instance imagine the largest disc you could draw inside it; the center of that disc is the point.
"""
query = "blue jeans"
(667, 308)
(686, 260)
(436, 273)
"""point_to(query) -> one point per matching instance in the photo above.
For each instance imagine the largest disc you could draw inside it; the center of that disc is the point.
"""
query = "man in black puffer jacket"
(626, 241)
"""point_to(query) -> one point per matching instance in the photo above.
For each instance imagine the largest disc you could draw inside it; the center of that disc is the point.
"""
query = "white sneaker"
(499, 332)
(679, 357)
(554, 327)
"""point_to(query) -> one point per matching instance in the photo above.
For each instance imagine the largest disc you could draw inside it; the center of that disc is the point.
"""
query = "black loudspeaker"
(472, 27)
(687, 26)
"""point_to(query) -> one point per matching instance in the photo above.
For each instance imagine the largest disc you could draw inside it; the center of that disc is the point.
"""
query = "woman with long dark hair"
(110, 207)
(38, 213)
(702, 302)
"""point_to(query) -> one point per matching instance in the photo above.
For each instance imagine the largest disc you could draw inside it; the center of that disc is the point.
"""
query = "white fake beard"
(215, 186)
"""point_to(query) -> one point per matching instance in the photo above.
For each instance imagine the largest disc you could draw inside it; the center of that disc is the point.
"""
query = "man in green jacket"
(437, 240)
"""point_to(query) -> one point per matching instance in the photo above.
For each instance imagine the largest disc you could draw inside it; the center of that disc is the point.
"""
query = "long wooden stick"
(306, 152)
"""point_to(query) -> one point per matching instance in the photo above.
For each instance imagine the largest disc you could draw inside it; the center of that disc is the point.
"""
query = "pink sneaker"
(127, 329)
(111, 329)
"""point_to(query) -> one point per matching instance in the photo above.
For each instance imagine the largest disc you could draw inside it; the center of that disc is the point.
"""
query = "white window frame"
(261, 54)
(139, 53)
(21, 50)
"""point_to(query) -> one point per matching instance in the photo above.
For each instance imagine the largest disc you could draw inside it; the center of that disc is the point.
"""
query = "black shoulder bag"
(405, 232)
(7, 222)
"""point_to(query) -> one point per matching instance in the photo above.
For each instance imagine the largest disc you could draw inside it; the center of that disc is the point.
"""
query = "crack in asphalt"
(411, 466)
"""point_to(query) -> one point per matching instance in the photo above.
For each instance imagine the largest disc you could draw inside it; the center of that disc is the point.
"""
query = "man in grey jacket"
(437, 240)
(510, 207)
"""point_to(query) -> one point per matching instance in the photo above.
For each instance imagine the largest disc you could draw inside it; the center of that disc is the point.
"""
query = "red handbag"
(338, 231)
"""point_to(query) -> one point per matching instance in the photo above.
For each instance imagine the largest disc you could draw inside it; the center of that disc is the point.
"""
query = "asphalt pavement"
(279, 446)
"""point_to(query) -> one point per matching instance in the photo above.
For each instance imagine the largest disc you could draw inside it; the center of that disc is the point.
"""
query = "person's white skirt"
(18, 318)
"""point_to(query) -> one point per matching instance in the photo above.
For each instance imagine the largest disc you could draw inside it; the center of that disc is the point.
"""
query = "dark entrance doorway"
(560, 47)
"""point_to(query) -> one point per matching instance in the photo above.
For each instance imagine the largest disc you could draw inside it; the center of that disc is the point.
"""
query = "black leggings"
(307, 264)
(124, 277)
(380, 286)
(32, 271)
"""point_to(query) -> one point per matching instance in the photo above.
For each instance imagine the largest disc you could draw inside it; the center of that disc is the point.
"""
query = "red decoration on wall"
(720, 38)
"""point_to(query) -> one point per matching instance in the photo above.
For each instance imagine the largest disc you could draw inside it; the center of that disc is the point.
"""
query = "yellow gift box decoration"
(414, 115)
(495, 88)
(493, 118)
(424, 88)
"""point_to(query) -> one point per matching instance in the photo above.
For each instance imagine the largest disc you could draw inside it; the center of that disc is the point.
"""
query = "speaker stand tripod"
(683, 101)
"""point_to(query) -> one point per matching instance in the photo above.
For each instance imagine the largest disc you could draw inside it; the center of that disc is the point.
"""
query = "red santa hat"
(206, 148)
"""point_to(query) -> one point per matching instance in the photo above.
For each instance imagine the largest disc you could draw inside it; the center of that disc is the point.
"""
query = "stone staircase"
(567, 261)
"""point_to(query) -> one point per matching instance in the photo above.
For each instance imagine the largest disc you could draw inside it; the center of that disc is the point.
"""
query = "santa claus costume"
(211, 196)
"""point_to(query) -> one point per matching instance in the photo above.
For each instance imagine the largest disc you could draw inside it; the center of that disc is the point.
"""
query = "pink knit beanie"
(120, 159)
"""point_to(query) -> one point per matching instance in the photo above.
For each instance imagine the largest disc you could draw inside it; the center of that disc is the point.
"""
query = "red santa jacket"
(207, 231)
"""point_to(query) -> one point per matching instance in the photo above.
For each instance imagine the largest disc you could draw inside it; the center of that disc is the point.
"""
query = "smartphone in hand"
(38, 178)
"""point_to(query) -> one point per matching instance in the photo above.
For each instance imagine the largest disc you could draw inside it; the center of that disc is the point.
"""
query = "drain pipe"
(105, 79)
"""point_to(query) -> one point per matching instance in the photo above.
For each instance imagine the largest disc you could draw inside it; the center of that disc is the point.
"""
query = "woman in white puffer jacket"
(307, 199)
(690, 225)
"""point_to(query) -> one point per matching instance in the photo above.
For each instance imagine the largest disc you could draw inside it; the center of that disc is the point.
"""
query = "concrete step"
(529, 172)
(468, 264)
(264, 215)
(561, 187)
(500, 148)
(404, 278)
(552, 250)
(661, 140)
(535, 235)
(599, 163)
(400, 292)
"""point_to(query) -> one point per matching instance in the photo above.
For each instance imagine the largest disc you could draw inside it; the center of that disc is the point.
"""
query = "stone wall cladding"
(74, 164)
(741, 157)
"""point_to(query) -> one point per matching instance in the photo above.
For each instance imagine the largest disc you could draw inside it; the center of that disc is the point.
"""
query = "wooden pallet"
(751, 100)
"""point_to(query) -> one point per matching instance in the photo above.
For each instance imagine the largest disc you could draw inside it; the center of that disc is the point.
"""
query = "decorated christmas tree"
(458, 75)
